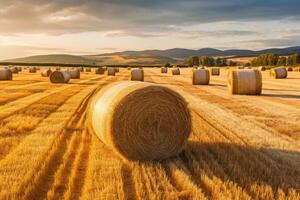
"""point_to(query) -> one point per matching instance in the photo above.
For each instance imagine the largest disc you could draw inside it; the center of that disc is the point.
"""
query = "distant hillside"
(174, 56)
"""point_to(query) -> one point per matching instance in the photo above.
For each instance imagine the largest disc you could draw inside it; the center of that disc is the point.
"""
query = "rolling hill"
(175, 56)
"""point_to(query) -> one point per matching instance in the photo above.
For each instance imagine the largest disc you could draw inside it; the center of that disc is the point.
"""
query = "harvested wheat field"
(240, 146)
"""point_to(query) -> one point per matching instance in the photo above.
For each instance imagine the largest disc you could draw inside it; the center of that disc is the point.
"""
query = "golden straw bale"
(247, 82)
(164, 70)
(5, 75)
(57, 68)
(200, 77)
(32, 69)
(215, 71)
(87, 69)
(60, 77)
(117, 69)
(278, 72)
(176, 71)
(262, 68)
(111, 71)
(290, 69)
(46, 72)
(241, 67)
(14, 70)
(141, 121)
(137, 74)
(99, 70)
(75, 74)
(19, 68)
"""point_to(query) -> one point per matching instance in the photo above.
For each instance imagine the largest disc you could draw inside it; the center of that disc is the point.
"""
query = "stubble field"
(241, 147)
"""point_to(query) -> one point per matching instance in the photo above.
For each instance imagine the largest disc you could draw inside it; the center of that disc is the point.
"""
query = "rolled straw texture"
(99, 70)
(75, 74)
(111, 71)
(5, 75)
(14, 70)
(245, 82)
(200, 77)
(164, 70)
(60, 77)
(32, 70)
(290, 69)
(117, 69)
(215, 71)
(137, 74)
(88, 69)
(141, 121)
(176, 71)
(278, 72)
(46, 72)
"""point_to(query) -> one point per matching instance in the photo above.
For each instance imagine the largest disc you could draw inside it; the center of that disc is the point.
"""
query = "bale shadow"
(287, 90)
(285, 96)
(244, 165)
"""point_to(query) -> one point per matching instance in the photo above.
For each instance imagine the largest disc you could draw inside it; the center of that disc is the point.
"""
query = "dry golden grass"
(241, 147)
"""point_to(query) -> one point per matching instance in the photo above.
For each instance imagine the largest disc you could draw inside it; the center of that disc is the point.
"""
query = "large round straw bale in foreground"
(5, 75)
(278, 72)
(60, 77)
(141, 121)
(164, 70)
(215, 71)
(32, 70)
(137, 74)
(99, 70)
(75, 74)
(247, 82)
(201, 77)
(176, 71)
(46, 72)
(111, 71)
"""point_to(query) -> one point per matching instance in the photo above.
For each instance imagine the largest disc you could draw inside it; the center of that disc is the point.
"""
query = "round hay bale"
(176, 71)
(278, 72)
(137, 74)
(141, 121)
(262, 68)
(19, 69)
(14, 70)
(246, 82)
(111, 71)
(32, 70)
(117, 69)
(60, 77)
(290, 69)
(80, 69)
(75, 74)
(57, 68)
(87, 69)
(5, 75)
(99, 70)
(215, 71)
(164, 70)
(241, 67)
(128, 68)
(201, 77)
(46, 73)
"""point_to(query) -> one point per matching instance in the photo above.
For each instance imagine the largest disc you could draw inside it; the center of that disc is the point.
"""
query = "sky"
(84, 27)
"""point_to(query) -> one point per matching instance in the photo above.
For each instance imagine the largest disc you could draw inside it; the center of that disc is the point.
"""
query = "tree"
(282, 61)
(192, 60)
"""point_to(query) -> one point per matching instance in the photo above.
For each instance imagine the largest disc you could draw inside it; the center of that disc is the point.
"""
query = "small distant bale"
(241, 67)
(32, 69)
(195, 67)
(290, 69)
(200, 77)
(57, 68)
(99, 70)
(137, 74)
(176, 71)
(87, 69)
(278, 73)
(19, 69)
(111, 71)
(46, 73)
(128, 68)
(14, 70)
(117, 69)
(75, 74)
(215, 71)
(80, 69)
(60, 77)
(164, 70)
(262, 68)
(5, 75)
(245, 82)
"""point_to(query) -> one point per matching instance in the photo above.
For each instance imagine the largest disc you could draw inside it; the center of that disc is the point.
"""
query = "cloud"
(147, 18)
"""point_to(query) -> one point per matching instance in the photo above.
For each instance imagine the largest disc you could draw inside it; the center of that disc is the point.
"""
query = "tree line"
(271, 59)
(208, 61)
